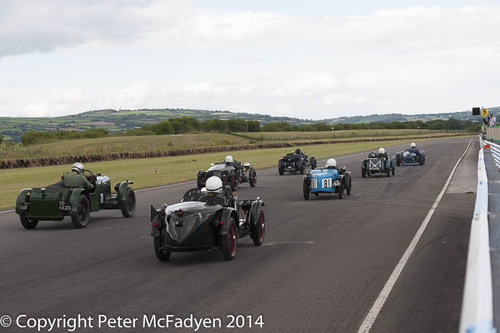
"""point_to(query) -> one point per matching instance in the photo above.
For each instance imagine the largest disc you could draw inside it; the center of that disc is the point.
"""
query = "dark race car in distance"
(231, 173)
(411, 156)
(378, 163)
(294, 162)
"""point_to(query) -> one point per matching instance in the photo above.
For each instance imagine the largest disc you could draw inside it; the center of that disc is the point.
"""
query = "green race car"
(56, 201)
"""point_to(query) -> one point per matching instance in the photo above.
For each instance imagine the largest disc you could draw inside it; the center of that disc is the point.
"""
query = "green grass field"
(169, 142)
(171, 169)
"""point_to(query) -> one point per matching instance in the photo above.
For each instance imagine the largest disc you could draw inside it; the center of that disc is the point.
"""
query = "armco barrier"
(477, 306)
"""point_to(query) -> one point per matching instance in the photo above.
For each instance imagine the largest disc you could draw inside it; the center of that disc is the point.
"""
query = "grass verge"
(171, 169)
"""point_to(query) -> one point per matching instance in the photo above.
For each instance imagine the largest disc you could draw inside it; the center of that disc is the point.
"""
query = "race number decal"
(326, 182)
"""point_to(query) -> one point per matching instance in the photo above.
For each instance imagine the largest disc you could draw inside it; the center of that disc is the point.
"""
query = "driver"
(413, 149)
(231, 162)
(382, 153)
(215, 191)
(331, 164)
(75, 178)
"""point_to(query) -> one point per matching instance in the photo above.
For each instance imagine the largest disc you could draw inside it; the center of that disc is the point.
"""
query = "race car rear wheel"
(81, 216)
(281, 171)
(28, 223)
(233, 182)
(393, 171)
(252, 179)
(398, 159)
(388, 172)
(363, 173)
(229, 242)
(305, 189)
(259, 230)
(129, 209)
(420, 160)
(348, 188)
(161, 253)
(340, 191)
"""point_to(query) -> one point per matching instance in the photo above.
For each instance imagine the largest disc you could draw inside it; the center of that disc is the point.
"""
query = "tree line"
(181, 125)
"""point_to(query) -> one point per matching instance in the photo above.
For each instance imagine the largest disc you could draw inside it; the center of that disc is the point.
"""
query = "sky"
(307, 59)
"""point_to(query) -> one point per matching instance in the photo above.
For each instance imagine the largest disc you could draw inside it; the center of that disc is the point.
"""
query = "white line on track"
(382, 297)
(297, 242)
(7, 211)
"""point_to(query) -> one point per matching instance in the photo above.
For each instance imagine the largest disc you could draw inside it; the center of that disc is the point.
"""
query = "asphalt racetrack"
(323, 263)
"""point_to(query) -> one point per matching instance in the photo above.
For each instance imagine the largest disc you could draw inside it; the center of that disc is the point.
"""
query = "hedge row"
(60, 160)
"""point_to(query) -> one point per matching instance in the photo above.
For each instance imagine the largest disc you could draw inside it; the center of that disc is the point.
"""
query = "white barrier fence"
(477, 306)
(495, 151)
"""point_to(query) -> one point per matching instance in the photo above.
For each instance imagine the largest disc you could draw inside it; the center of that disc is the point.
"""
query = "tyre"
(305, 189)
(233, 182)
(129, 209)
(28, 223)
(398, 159)
(229, 242)
(301, 170)
(348, 187)
(161, 253)
(259, 230)
(81, 216)
(281, 171)
(252, 178)
(388, 172)
(393, 171)
(340, 191)
(420, 160)
(199, 184)
(363, 173)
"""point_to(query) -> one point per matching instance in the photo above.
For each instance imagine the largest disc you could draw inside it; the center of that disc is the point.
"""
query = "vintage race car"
(231, 174)
(204, 221)
(327, 181)
(293, 162)
(374, 164)
(410, 157)
(56, 201)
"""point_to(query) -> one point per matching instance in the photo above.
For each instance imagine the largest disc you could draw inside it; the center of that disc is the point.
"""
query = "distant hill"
(123, 120)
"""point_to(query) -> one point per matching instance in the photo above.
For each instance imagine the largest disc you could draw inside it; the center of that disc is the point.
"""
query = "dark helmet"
(297, 151)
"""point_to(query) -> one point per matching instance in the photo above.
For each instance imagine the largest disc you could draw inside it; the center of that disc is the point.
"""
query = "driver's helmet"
(381, 151)
(77, 167)
(229, 159)
(214, 185)
(297, 151)
(246, 165)
(413, 145)
(331, 163)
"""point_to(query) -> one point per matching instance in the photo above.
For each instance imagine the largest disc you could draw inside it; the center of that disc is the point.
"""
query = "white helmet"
(331, 163)
(413, 145)
(77, 167)
(381, 151)
(228, 159)
(214, 184)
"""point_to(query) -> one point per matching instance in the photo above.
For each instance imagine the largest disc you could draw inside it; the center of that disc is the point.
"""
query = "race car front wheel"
(305, 189)
(259, 230)
(28, 223)
(81, 216)
(252, 177)
(229, 242)
(161, 253)
(129, 209)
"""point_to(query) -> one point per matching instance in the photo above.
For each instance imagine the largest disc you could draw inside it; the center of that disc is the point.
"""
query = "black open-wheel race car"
(203, 221)
(232, 174)
(294, 162)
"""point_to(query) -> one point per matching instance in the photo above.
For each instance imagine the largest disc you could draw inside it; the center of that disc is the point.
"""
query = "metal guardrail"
(495, 150)
(477, 306)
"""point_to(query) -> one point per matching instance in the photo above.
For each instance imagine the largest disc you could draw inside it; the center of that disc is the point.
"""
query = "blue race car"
(412, 156)
(327, 180)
